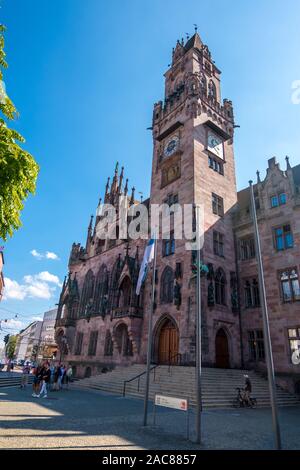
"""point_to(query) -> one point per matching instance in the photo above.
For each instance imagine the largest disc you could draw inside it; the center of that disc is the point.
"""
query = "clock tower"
(193, 162)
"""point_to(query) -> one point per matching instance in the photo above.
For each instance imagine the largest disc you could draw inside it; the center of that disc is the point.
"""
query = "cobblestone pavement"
(92, 420)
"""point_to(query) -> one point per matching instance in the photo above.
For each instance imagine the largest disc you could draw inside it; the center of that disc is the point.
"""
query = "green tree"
(11, 346)
(18, 169)
(6, 339)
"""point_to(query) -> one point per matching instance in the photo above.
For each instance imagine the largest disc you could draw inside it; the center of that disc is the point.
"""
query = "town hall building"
(101, 321)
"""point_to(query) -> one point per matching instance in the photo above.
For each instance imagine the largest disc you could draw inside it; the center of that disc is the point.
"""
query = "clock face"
(171, 146)
(215, 145)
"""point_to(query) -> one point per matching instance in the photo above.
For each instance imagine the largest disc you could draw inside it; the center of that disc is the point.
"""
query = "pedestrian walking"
(69, 376)
(45, 375)
(55, 379)
(25, 374)
(61, 376)
(52, 374)
(36, 381)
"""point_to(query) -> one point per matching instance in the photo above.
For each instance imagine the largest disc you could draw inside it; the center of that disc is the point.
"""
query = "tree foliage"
(11, 346)
(18, 169)
(6, 339)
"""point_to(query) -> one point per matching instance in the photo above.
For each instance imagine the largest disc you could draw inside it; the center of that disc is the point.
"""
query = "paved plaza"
(91, 420)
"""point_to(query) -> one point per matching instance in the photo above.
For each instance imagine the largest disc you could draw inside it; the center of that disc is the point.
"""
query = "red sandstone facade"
(102, 322)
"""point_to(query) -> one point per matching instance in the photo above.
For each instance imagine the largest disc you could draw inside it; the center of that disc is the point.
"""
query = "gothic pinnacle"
(126, 187)
(107, 186)
(114, 184)
(132, 195)
(121, 180)
(288, 165)
(258, 176)
(91, 223)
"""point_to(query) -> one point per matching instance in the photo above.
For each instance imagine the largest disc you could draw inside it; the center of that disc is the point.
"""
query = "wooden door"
(168, 344)
(222, 350)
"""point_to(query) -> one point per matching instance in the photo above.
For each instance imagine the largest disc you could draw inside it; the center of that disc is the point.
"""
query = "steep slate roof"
(194, 41)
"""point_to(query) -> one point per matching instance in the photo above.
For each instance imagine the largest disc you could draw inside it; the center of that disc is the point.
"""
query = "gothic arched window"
(167, 286)
(220, 287)
(203, 84)
(125, 293)
(101, 290)
(123, 341)
(212, 90)
(109, 345)
(114, 282)
(87, 293)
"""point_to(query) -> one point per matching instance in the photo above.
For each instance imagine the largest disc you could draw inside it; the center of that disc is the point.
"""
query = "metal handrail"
(145, 372)
(173, 357)
(138, 377)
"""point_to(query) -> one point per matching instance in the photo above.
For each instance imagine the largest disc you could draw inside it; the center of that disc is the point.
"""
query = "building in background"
(28, 342)
(48, 346)
(1, 274)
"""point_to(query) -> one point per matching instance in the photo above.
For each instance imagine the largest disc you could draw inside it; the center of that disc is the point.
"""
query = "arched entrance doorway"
(222, 350)
(168, 343)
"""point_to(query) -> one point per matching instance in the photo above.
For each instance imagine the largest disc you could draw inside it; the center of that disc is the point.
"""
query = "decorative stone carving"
(170, 174)
(177, 293)
(89, 309)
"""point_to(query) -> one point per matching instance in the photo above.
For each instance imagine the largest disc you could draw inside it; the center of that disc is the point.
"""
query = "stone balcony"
(122, 312)
(65, 322)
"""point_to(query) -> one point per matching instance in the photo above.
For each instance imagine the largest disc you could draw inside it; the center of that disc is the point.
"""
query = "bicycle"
(240, 400)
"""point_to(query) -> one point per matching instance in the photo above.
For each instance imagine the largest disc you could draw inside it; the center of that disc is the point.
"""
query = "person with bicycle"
(247, 390)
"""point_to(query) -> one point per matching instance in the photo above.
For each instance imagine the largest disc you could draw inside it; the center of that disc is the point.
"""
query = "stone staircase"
(218, 385)
(11, 379)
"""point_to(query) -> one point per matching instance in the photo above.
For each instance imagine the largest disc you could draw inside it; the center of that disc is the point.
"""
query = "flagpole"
(198, 335)
(266, 326)
(149, 349)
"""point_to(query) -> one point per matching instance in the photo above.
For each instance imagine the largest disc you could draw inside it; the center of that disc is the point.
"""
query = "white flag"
(148, 257)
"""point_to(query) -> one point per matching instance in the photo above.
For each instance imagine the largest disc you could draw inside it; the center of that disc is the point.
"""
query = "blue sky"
(84, 77)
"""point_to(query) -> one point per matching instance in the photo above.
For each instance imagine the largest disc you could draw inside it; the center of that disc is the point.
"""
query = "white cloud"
(36, 254)
(48, 277)
(36, 318)
(51, 255)
(16, 324)
(43, 276)
(40, 286)
(13, 290)
(48, 255)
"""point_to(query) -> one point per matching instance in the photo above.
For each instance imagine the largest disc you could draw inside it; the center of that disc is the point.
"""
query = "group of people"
(47, 378)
